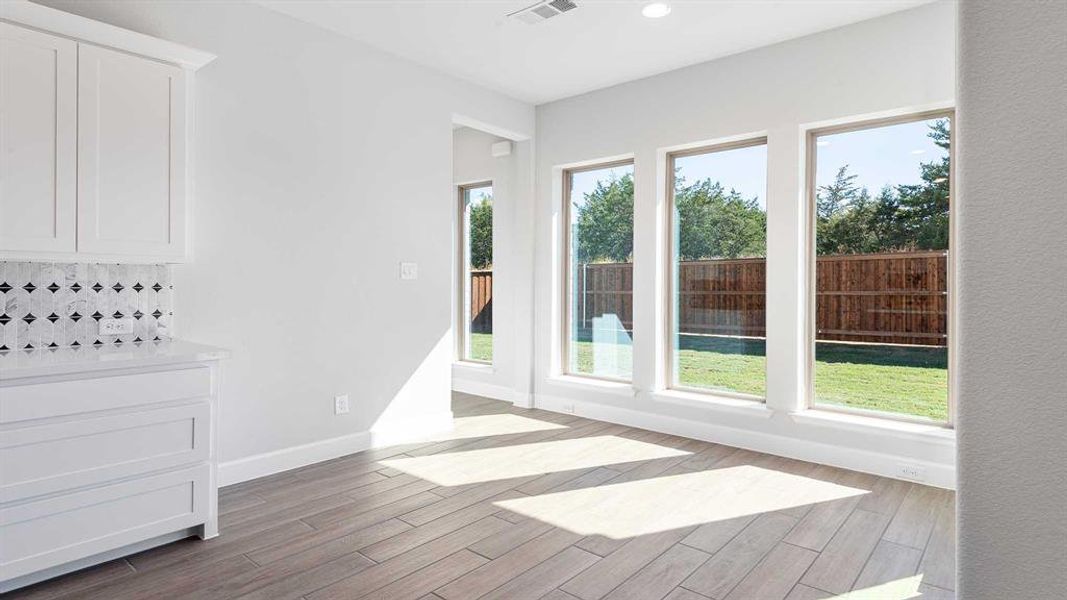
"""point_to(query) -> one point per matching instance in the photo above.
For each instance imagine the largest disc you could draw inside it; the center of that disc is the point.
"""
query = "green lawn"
(910, 380)
(482, 346)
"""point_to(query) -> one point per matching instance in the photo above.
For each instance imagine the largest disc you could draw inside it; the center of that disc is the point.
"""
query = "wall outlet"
(115, 326)
(340, 404)
(567, 407)
(409, 270)
(911, 471)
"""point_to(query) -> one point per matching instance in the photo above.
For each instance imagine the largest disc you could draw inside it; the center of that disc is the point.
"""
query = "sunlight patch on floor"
(522, 460)
(634, 508)
(900, 589)
(496, 424)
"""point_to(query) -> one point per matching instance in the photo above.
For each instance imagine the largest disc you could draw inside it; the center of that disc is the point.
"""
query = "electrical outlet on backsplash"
(58, 305)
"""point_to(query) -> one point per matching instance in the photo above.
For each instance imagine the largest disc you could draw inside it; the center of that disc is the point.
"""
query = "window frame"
(670, 352)
(810, 167)
(565, 263)
(463, 278)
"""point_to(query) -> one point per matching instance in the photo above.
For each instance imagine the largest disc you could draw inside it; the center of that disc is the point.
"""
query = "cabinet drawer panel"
(62, 456)
(60, 529)
(44, 400)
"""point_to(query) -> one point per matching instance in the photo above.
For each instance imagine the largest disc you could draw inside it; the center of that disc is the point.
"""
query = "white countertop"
(16, 364)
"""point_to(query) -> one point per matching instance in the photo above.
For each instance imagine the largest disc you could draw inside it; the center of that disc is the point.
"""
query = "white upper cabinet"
(94, 131)
(38, 140)
(131, 155)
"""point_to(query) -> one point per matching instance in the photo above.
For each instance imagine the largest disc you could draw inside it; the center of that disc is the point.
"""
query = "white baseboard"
(493, 391)
(522, 399)
(855, 459)
(412, 429)
(481, 388)
(426, 426)
(269, 463)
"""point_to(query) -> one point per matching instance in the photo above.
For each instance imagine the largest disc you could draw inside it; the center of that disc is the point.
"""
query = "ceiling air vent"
(542, 11)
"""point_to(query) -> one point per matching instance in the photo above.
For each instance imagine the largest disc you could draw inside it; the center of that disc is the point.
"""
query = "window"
(718, 269)
(882, 247)
(476, 272)
(598, 212)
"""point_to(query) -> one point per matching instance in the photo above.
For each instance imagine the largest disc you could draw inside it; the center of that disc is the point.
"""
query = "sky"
(885, 155)
(476, 196)
(741, 169)
(584, 182)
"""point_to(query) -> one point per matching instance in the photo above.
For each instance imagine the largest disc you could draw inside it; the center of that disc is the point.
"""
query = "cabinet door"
(38, 141)
(131, 155)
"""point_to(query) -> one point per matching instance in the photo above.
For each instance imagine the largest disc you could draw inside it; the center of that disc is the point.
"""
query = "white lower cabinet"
(93, 464)
(43, 533)
(51, 458)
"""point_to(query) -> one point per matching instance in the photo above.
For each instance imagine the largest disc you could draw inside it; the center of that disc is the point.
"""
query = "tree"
(903, 218)
(924, 208)
(830, 199)
(843, 212)
(713, 223)
(481, 235)
(605, 225)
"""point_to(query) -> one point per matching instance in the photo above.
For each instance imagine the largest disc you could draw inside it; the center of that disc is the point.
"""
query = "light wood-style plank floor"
(518, 504)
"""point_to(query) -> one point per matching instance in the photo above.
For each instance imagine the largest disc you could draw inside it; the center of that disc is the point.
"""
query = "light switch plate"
(409, 270)
(115, 326)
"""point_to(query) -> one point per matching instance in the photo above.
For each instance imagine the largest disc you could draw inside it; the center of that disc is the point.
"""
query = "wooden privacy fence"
(481, 301)
(896, 298)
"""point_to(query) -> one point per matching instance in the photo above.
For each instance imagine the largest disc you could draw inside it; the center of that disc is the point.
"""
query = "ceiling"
(601, 43)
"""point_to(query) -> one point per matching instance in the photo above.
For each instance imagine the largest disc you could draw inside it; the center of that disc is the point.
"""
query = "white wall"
(899, 63)
(472, 157)
(320, 164)
(1012, 149)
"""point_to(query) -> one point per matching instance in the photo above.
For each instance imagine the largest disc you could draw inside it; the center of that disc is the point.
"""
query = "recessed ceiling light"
(655, 10)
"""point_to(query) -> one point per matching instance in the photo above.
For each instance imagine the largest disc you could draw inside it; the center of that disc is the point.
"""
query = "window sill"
(860, 423)
(475, 367)
(738, 406)
(619, 388)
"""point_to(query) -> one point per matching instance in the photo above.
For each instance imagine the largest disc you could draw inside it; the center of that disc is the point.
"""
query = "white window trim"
(810, 166)
(461, 352)
(711, 400)
(564, 262)
(671, 383)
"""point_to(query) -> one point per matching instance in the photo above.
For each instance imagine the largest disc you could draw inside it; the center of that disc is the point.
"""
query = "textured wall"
(56, 305)
(1012, 156)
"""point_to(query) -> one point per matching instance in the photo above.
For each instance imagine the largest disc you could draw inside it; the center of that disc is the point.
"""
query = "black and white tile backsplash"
(55, 305)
